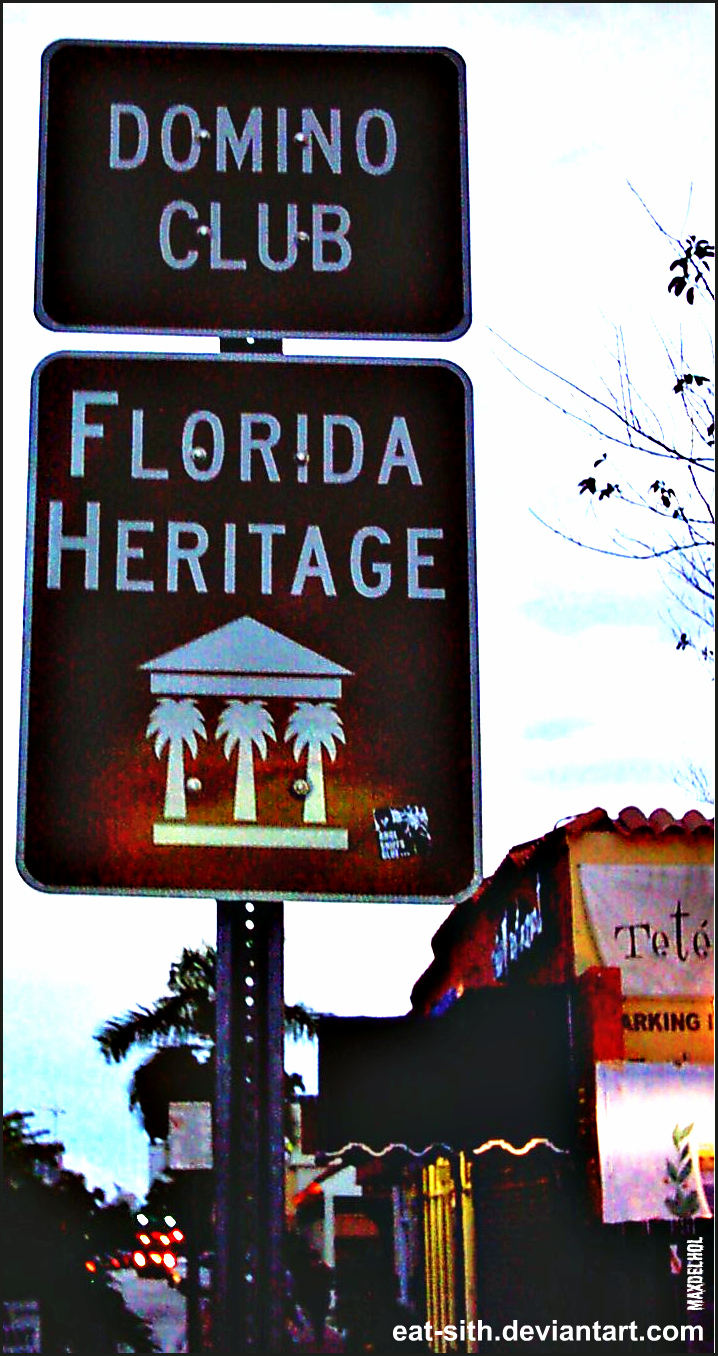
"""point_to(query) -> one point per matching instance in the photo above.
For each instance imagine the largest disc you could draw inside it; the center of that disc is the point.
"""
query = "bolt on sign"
(250, 654)
(253, 190)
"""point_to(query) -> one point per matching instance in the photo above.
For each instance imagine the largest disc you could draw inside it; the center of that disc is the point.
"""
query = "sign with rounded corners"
(250, 664)
(265, 191)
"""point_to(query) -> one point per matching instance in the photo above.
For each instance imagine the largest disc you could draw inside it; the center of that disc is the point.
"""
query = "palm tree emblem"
(246, 725)
(315, 726)
(176, 723)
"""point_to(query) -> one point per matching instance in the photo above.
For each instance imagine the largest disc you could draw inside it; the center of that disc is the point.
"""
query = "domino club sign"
(253, 190)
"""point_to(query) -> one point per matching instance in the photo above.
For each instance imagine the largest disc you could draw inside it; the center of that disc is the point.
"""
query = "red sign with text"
(250, 653)
(253, 190)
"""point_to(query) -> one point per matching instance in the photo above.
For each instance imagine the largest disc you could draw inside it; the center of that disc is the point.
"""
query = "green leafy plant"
(685, 1202)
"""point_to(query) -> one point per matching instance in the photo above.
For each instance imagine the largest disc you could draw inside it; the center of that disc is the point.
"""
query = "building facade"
(542, 1119)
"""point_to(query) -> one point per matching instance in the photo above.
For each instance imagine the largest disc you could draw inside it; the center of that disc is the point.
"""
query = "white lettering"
(57, 543)
(302, 454)
(416, 561)
(193, 456)
(249, 442)
(369, 554)
(138, 471)
(290, 258)
(227, 136)
(375, 139)
(215, 241)
(399, 452)
(281, 141)
(331, 149)
(190, 554)
(168, 122)
(80, 430)
(381, 570)
(125, 552)
(313, 563)
(330, 423)
(383, 166)
(174, 260)
(267, 532)
(230, 557)
(321, 235)
(117, 160)
(509, 944)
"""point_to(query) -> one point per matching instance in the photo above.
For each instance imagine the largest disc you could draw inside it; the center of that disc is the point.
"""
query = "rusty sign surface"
(250, 652)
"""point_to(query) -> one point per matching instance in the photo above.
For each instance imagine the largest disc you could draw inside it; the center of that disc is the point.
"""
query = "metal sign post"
(249, 1137)
(249, 1112)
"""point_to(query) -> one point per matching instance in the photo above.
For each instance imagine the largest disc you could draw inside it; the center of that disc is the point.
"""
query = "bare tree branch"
(667, 518)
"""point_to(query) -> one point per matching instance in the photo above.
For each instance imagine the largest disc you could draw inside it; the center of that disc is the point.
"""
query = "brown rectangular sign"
(250, 653)
(253, 190)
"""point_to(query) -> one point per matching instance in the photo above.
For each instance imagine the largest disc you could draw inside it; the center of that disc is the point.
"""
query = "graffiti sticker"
(402, 832)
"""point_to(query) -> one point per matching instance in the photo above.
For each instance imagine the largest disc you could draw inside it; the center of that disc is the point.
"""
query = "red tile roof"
(629, 822)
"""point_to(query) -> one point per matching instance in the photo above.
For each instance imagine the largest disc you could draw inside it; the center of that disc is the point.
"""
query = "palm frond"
(174, 1017)
(195, 970)
(186, 1015)
(299, 1020)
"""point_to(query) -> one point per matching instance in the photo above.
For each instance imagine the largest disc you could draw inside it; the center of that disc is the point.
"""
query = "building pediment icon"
(245, 658)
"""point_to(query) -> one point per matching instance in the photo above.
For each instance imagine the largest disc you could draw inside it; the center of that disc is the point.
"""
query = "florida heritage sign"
(250, 655)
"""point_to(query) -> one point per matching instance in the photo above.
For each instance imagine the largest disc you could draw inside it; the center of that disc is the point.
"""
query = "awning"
(496, 1065)
(638, 1109)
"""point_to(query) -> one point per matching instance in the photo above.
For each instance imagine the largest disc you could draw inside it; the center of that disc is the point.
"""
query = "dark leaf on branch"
(679, 263)
(690, 294)
(683, 642)
(666, 496)
(676, 285)
(598, 463)
(588, 484)
(608, 490)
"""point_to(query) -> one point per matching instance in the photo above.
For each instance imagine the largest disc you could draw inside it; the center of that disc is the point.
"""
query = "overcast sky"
(584, 699)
